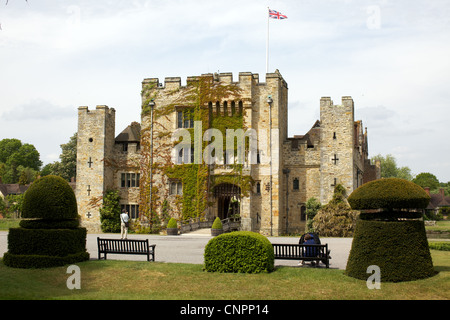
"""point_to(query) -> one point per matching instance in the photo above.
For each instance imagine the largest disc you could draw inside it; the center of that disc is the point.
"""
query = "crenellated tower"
(95, 145)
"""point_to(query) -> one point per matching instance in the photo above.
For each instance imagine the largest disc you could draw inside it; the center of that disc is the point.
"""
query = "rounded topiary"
(392, 237)
(51, 235)
(172, 223)
(50, 197)
(217, 224)
(217, 227)
(390, 193)
(172, 227)
(240, 251)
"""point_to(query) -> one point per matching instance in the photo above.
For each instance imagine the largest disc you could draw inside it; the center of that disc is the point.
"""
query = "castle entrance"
(228, 197)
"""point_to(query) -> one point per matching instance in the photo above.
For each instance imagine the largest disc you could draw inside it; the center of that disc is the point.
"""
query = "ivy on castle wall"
(197, 96)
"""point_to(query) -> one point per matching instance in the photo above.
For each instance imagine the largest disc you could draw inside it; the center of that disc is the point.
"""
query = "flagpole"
(267, 43)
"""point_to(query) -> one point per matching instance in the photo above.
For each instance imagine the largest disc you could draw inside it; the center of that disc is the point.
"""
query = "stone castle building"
(219, 148)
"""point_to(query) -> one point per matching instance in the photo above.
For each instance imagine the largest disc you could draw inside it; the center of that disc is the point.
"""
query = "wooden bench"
(125, 246)
(304, 252)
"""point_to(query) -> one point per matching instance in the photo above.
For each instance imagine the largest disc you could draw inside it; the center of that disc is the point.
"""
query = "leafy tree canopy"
(389, 168)
(18, 161)
(426, 179)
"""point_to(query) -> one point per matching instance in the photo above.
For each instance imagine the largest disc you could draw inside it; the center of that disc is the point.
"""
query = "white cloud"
(390, 56)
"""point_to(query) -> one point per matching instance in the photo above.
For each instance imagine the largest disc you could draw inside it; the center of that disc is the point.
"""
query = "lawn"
(112, 279)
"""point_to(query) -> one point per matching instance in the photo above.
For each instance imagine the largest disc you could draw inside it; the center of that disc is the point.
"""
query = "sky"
(391, 57)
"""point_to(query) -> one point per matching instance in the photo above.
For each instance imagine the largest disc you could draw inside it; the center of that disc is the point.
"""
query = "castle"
(218, 148)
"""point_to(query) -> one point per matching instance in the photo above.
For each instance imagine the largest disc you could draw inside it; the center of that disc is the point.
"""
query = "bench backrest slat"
(116, 245)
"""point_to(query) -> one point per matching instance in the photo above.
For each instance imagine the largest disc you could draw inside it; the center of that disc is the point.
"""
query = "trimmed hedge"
(239, 251)
(50, 197)
(50, 236)
(217, 224)
(40, 261)
(49, 224)
(442, 246)
(389, 193)
(399, 248)
(50, 242)
(172, 224)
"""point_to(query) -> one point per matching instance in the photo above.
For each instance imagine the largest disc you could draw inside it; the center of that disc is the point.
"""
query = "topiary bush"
(172, 223)
(51, 236)
(389, 194)
(51, 198)
(399, 248)
(390, 232)
(239, 251)
(217, 224)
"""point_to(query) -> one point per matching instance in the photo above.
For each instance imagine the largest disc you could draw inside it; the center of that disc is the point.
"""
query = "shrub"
(110, 212)
(336, 219)
(390, 193)
(312, 207)
(172, 223)
(217, 224)
(390, 238)
(52, 237)
(240, 251)
(50, 197)
(50, 242)
(399, 248)
(443, 246)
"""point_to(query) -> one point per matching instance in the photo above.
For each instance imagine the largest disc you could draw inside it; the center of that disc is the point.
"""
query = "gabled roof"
(7, 189)
(438, 200)
(132, 133)
(312, 135)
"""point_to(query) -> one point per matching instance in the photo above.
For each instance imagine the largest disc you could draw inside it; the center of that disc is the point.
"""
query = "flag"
(276, 15)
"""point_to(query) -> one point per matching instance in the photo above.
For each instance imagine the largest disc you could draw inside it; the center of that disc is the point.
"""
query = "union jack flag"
(276, 15)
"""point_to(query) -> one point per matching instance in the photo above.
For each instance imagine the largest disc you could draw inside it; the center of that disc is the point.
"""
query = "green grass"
(443, 225)
(5, 224)
(114, 279)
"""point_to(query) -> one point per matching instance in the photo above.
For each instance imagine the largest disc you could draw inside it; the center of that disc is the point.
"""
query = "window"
(185, 118)
(129, 180)
(296, 184)
(185, 155)
(302, 213)
(175, 187)
(225, 108)
(132, 209)
(258, 188)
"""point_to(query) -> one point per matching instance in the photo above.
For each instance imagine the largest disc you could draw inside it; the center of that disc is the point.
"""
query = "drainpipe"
(269, 101)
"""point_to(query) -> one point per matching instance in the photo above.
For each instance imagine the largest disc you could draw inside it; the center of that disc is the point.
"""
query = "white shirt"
(124, 217)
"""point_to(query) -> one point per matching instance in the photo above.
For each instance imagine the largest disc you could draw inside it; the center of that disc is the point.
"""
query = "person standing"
(124, 221)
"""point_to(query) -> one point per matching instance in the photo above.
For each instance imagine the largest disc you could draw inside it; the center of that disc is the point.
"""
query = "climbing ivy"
(198, 96)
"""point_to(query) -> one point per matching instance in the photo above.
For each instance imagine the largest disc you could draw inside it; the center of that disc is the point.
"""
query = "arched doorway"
(228, 197)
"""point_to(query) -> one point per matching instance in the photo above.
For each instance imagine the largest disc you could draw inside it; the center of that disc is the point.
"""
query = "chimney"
(427, 190)
(442, 193)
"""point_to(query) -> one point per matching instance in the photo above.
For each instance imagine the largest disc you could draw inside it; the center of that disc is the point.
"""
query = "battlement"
(245, 78)
(347, 101)
(99, 107)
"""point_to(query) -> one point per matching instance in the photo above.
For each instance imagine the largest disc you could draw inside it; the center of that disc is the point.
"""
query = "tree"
(426, 179)
(389, 168)
(14, 157)
(67, 167)
(336, 219)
